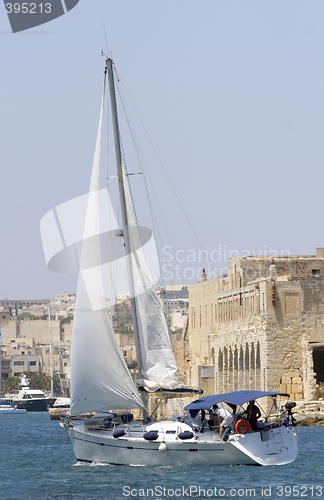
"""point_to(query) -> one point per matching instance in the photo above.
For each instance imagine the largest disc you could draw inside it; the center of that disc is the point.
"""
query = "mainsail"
(100, 379)
(159, 369)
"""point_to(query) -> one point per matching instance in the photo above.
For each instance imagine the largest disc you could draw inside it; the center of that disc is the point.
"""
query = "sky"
(231, 96)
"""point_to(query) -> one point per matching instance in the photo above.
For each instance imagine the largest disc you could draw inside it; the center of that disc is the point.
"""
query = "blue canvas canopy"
(237, 398)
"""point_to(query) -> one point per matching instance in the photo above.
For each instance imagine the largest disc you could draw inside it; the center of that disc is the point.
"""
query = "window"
(316, 272)
(32, 363)
(19, 363)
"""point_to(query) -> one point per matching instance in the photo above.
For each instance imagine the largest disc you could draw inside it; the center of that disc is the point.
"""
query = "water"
(37, 463)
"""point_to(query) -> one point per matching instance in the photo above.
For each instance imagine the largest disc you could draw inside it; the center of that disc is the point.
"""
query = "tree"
(43, 382)
(45, 317)
(11, 384)
(66, 320)
(26, 315)
(132, 365)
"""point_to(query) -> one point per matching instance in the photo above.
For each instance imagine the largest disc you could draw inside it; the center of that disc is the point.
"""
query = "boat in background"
(60, 409)
(29, 399)
(10, 408)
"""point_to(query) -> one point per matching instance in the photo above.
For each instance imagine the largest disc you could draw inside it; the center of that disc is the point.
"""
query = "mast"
(0, 361)
(50, 339)
(109, 67)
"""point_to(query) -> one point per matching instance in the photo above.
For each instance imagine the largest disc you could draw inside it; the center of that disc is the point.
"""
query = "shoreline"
(308, 413)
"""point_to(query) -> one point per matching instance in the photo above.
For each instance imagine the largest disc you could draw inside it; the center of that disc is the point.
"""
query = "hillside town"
(26, 332)
(261, 327)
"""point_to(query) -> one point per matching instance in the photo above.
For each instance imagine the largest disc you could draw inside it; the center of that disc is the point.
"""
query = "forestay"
(159, 369)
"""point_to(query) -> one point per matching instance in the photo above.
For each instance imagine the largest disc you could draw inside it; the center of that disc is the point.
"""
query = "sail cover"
(159, 369)
(100, 379)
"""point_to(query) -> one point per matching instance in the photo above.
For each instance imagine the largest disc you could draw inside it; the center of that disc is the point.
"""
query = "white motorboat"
(100, 379)
(10, 408)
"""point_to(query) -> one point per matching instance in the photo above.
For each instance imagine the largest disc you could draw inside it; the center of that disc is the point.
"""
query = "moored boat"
(29, 399)
(10, 408)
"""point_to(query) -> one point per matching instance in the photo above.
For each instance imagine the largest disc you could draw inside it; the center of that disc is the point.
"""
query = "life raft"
(242, 426)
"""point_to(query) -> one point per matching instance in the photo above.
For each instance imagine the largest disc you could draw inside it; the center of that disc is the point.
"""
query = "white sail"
(159, 369)
(100, 379)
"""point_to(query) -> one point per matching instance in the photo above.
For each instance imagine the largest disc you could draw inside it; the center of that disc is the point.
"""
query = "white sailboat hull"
(273, 447)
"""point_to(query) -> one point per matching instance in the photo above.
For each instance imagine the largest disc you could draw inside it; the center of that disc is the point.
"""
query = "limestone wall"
(259, 333)
(39, 331)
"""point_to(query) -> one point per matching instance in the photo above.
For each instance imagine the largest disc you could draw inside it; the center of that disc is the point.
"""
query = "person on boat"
(253, 413)
(225, 418)
(212, 418)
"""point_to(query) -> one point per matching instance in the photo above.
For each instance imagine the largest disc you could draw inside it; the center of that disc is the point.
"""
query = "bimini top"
(237, 398)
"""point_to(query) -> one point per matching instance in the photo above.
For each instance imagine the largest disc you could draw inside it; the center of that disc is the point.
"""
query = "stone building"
(4, 315)
(26, 347)
(262, 327)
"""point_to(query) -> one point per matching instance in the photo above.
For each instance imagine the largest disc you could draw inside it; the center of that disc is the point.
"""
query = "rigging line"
(142, 164)
(165, 172)
(130, 191)
(107, 145)
(113, 266)
(104, 28)
(141, 161)
(112, 290)
(121, 144)
(140, 231)
(136, 150)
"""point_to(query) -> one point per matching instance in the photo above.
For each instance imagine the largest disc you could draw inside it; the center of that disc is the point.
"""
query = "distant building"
(20, 303)
(262, 327)
(14, 364)
(26, 348)
(175, 303)
(4, 315)
(173, 292)
(65, 297)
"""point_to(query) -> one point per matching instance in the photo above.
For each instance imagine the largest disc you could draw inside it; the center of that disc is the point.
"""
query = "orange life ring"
(238, 426)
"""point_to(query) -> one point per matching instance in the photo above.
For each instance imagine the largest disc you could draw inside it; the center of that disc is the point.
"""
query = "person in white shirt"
(225, 418)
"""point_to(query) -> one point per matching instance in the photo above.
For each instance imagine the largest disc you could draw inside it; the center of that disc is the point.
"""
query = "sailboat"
(100, 380)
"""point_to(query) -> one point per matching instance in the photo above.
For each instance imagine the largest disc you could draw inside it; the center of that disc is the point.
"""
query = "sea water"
(37, 463)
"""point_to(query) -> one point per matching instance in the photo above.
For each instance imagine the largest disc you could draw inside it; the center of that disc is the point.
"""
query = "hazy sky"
(231, 94)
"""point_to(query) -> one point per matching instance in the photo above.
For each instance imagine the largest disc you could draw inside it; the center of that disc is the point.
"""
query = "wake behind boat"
(100, 379)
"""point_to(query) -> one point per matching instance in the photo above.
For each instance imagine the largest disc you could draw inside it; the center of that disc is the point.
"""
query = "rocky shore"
(309, 412)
